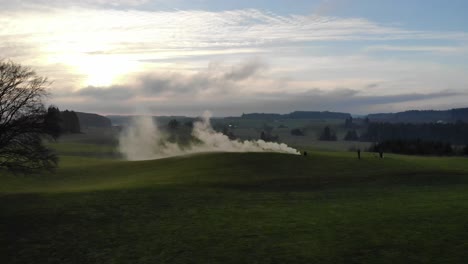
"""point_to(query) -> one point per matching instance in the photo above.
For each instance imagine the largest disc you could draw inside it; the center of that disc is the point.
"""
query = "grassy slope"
(239, 208)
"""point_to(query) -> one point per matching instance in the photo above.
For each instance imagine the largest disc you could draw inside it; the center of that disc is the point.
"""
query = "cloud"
(214, 88)
(102, 94)
(41, 4)
(59, 32)
(245, 70)
(344, 98)
(372, 85)
(434, 49)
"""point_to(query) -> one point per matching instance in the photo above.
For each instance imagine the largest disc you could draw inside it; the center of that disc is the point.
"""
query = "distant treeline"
(418, 147)
(425, 116)
(454, 133)
(299, 115)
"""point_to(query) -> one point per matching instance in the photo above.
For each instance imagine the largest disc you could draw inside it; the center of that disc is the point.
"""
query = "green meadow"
(328, 207)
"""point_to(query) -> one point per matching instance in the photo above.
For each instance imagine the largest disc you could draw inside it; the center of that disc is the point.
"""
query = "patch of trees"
(455, 133)
(228, 132)
(267, 134)
(172, 128)
(414, 147)
(460, 114)
(349, 122)
(267, 129)
(188, 124)
(297, 132)
(366, 121)
(351, 135)
(69, 122)
(355, 123)
(178, 132)
(52, 122)
(173, 125)
(268, 137)
(328, 134)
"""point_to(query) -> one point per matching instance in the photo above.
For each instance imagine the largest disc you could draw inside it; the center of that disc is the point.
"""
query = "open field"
(237, 208)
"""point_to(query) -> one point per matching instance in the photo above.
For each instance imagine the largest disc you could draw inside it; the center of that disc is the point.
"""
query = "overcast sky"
(182, 57)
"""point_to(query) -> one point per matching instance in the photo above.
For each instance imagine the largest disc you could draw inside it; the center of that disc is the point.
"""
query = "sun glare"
(103, 70)
(97, 70)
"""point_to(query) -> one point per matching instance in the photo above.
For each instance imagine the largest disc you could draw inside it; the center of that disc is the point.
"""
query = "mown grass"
(327, 207)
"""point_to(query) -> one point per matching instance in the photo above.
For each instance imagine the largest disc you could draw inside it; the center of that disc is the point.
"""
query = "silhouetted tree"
(327, 135)
(23, 120)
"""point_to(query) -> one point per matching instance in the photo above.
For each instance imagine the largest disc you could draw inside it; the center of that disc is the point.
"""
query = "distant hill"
(423, 116)
(262, 116)
(88, 120)
(299, 115)
(412, 116)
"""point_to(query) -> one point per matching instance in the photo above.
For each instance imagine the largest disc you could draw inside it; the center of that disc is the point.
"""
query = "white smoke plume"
(142, 140)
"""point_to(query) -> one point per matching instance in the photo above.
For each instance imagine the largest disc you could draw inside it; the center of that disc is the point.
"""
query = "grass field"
(328, 207)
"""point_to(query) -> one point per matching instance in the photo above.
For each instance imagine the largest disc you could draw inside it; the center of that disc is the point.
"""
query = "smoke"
(142, 140)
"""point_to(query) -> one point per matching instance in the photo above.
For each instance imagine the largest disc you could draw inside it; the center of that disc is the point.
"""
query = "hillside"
(89, 120)
(298, 115)
(410, 116)
(237, 208)
(423, 116)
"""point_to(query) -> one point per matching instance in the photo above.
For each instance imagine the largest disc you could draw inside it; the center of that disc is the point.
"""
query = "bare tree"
(23, 120)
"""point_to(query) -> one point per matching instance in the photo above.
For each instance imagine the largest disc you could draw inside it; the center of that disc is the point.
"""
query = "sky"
(182, 57)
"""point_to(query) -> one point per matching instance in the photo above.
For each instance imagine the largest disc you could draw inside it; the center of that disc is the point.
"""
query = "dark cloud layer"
(214, 80)
(192, 94)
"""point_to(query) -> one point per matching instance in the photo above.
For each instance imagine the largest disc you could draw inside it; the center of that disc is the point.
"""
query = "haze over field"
(183, 57)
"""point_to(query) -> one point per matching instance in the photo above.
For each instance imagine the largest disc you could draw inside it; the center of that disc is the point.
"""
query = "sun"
(92, 60)
(102, 70)
(105, 70)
